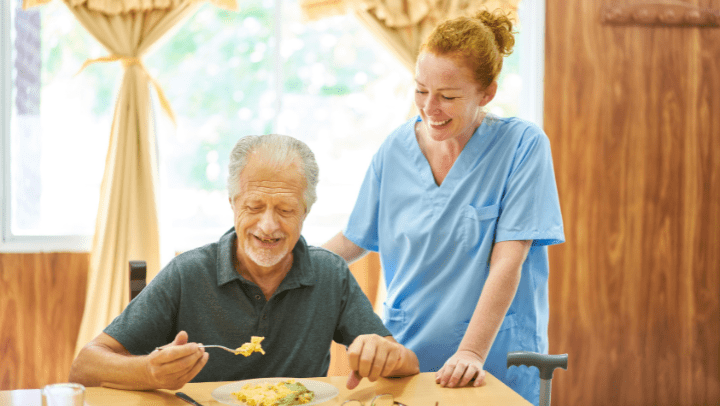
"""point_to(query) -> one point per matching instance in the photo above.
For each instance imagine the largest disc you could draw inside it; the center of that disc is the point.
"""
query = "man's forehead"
(264, 174)
(260, 186)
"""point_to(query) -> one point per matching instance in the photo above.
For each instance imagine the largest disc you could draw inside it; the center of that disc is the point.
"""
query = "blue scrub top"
(435, 241)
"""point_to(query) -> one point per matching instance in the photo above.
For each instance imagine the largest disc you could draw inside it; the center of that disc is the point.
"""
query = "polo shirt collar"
(300, 274)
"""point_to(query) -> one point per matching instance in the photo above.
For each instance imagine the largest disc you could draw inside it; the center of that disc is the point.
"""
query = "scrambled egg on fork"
(251, 347)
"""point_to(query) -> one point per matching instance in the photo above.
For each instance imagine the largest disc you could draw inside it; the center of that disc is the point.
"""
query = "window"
(55, 126)
(226, 74)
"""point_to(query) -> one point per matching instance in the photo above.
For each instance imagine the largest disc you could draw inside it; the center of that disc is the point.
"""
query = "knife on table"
(187, 398)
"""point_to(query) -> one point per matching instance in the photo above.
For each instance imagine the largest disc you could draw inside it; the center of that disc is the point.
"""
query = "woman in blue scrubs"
(461, 206)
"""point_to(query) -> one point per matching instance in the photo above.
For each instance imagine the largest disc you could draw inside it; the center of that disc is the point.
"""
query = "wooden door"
(633, 115)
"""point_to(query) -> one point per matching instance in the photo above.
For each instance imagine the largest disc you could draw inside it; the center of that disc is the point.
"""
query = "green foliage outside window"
(218, 73)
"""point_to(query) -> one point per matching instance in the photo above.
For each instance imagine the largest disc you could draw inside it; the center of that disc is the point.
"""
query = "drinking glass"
(63, 394)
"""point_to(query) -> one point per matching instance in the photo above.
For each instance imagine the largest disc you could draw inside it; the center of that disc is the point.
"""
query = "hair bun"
(501, 25)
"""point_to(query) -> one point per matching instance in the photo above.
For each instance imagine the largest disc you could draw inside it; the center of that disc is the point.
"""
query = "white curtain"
(402, 25)
(127, 221)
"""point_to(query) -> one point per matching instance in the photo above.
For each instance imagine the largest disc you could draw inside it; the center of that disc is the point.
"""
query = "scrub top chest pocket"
(478, 226)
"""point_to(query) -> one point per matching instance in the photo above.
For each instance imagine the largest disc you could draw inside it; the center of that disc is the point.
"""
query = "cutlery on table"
(187, 398)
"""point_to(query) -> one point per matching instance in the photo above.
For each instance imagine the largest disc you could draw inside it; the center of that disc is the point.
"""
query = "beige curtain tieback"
(128, 61)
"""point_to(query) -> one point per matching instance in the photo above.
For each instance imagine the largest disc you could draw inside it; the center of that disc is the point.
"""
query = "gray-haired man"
(259, 279)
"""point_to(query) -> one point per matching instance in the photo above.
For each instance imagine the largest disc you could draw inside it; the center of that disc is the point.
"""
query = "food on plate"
(281, 393)
(251, 347)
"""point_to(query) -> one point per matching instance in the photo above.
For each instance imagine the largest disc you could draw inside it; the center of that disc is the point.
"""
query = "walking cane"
(545, 363)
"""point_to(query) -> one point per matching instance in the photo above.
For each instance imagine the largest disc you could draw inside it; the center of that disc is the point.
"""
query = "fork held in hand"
(218, 346)
(245, 349)
(207, 346)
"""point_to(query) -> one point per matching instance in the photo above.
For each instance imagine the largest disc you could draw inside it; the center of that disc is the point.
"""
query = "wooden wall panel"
(367, 272)
(633, 115)
(41, 304)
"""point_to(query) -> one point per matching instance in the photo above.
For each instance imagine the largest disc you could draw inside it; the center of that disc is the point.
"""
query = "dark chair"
(138, 275)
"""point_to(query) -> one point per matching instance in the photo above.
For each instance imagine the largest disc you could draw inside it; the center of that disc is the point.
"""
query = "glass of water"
(63, 394)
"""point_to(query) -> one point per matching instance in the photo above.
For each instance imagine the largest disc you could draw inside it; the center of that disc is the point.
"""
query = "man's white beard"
(262, 257)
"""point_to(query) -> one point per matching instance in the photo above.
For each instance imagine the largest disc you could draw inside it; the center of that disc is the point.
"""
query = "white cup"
(63, 394)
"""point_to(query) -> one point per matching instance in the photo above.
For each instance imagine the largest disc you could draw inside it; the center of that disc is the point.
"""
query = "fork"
(207, 346)
(218, 346)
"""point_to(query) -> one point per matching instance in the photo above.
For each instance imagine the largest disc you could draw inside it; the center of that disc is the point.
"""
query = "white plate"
(323, 391)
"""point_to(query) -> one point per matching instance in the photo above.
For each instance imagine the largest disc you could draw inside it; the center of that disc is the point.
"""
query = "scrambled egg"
(251, 347)
(283, 393)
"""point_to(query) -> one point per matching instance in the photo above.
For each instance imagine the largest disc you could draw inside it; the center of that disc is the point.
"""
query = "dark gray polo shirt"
(200, 292)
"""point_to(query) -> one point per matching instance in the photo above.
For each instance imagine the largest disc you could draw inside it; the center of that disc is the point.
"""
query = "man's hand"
(371, 356)
(175, 364)
(460, 369)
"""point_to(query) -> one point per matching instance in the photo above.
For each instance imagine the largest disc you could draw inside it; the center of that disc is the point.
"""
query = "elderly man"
(259, 279)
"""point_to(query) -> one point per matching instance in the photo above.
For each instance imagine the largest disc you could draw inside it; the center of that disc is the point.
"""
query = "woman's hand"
(460, 369)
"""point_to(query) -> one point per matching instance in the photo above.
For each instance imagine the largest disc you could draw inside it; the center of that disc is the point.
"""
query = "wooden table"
(418, 390)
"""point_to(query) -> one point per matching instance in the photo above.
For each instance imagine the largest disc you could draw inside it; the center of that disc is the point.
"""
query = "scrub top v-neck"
(435, 240)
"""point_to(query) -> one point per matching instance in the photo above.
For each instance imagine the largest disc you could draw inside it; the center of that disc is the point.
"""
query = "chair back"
(138, 274)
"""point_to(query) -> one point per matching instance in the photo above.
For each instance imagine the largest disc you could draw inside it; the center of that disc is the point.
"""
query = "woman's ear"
(489, 93)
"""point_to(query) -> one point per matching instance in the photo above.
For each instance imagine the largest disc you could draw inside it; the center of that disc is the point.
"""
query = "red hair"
(480, 42)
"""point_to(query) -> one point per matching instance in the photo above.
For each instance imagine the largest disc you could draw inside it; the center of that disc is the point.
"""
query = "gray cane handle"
(545, 363)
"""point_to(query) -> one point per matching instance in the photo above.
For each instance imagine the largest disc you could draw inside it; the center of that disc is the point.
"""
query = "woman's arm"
(497, 295)
(345, 248)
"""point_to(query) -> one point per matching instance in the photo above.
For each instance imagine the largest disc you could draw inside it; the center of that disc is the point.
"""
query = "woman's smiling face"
(448, 98)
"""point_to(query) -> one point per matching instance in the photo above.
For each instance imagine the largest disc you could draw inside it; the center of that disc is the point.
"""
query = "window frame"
(531, 13)
(532, 53)
(5, 93)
